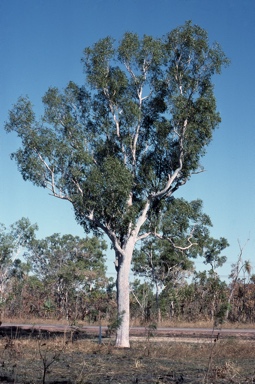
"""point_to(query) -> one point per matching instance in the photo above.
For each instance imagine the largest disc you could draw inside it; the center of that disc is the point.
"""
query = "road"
(134, 331)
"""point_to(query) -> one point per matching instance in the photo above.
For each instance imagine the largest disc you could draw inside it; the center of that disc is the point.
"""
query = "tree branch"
(112, 236)
(172, 178)
(177, 246)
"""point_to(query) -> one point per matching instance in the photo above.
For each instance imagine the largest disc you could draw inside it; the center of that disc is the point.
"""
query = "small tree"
(19, 235)
(120, 147)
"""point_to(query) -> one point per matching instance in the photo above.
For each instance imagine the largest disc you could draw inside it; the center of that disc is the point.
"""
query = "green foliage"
(220, 316)
(184, 232)
(160, 262)
(19, 235)
(145, 114)
(48, 306)
(64, 271)
(68, 261)
(212, 251)
(64, 277)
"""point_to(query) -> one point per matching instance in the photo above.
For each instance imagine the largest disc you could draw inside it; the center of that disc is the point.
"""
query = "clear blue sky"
(41, 44)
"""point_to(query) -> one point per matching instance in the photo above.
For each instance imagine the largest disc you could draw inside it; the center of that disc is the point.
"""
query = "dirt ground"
(47, 358)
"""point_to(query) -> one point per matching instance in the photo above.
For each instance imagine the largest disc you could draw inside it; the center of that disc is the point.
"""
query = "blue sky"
(41, 44)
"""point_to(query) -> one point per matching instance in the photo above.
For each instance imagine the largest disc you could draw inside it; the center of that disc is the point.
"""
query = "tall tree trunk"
(124, 258)
(123, 269)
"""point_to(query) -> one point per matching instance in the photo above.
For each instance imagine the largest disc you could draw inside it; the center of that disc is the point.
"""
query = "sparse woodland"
(64, 278)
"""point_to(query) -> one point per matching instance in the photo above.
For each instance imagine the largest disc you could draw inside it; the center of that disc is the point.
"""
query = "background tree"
(237, 268)
(163, 260)
(120, 146)
(13, 241)
(141, 301)
(71, 268)
(160, 265)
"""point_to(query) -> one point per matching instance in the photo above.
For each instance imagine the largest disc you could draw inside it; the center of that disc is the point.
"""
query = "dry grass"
(202, 324)
(33, 320)
(86, 362)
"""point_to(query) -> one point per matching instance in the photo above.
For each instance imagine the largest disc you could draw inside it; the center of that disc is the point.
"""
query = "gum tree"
(118, 147)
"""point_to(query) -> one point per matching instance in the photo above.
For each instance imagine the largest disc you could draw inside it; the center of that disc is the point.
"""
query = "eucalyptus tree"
(118, 147)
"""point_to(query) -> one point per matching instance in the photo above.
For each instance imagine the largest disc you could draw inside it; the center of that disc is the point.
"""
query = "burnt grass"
(77, 358)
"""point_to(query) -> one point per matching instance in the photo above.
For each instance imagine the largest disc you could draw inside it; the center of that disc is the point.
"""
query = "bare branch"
(106, 229)
(142, 218)
(113, 112)
(191, 244)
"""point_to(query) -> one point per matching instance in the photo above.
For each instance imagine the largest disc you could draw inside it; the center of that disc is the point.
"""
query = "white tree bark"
(122, 336)
(123, 302)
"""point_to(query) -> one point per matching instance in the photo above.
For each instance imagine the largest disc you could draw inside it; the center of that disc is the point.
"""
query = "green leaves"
(68, 258)
(139, 55)
(21, 117)
(129, 47)
(194, 60)
(107, 189)
(20, 235)
(212, 252)
(182, 215)
(181, 233)
(133, 133)
(96, 62)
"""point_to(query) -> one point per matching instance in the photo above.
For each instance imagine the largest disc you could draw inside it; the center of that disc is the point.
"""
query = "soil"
(80, 359)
